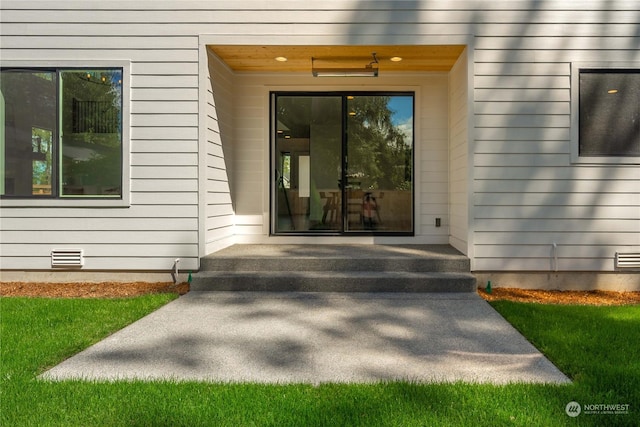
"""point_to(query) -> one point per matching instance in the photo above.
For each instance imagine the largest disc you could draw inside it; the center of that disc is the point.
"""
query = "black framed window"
(61, 133)
(609, 113)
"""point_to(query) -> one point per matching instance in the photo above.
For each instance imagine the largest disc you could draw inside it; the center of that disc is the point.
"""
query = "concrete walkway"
(316, 337)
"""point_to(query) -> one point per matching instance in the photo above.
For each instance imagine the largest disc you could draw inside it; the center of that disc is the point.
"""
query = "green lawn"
(598, 347)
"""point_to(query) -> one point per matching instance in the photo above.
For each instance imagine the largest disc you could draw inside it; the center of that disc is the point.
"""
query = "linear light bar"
(367, 71)
(345, 72)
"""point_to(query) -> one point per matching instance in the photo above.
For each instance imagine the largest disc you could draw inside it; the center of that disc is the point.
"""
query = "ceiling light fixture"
(367, 71)
(281, 58)
(395, 59)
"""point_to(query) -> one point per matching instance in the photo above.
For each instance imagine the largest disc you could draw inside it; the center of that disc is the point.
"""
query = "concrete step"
(333, 281)
(336, 264)
(407, 258)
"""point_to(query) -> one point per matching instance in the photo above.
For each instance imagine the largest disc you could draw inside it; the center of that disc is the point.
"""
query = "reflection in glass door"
(308, 163)
(379, 163)
(343, 163)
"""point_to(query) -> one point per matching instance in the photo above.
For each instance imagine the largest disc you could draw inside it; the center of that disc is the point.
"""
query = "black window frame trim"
(603, 67)
(69, 202)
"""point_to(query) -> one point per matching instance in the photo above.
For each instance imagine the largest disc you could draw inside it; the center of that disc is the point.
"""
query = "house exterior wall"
(524, 192)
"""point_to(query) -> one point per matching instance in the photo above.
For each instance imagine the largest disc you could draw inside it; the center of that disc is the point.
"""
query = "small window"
(61, 133)
(608, 115)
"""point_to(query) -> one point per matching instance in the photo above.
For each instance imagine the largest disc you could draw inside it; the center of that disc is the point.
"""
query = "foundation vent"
(628, 260)
(70, 258)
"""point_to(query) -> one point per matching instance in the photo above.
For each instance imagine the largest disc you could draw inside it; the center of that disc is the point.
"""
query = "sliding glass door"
(343, 163)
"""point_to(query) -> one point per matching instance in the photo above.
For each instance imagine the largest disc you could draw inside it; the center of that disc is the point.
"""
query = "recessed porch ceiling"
(250, 58)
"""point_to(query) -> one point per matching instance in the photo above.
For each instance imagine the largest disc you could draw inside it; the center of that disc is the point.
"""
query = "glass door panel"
(308, 163)
(379, 163)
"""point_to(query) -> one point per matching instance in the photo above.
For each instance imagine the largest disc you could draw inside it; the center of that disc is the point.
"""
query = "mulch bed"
(561, 297)
(89, 289)
(130, 289)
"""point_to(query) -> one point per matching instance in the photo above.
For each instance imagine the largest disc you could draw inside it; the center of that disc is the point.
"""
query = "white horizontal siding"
(485, 70)
(520, 147)
(171, 93)
(135, 55)
(164, 185)
(149, 80)
(528, 56)
(600, 174)
(106, 223)
(164, 107)
(570, 238)
(101, 250)
(79, 238)
(522, 107)
(272, 15)
(434, 28)
(527, 194)
(557, 199)
(164, 67)
(555, 186)
(579, 257)
(585, 225)
(176, 120)
(558, 43)
(162, 222)
(80, 41)
(154, 198)
(498, 94)
(558, 212)
(545, 251)
(159, 210)
(121, 263)
(174, 172)
(517, 120)
(509, 263)
(304, 30)
(164, 159)
(257, 5)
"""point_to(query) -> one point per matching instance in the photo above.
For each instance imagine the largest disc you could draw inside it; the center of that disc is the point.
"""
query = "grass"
(596, 346)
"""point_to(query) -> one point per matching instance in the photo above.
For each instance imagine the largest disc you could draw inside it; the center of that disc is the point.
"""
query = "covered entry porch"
(245, 203)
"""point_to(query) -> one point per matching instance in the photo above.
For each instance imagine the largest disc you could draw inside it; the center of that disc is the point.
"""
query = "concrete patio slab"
(267, 337)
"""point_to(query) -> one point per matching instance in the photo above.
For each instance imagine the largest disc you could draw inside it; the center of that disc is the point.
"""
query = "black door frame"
(274, 178)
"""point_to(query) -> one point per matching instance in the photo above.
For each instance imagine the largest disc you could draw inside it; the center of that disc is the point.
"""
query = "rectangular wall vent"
(628, 260)
(70, 258)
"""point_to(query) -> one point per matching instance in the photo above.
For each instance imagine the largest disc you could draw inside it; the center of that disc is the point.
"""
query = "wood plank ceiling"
(245, 58)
